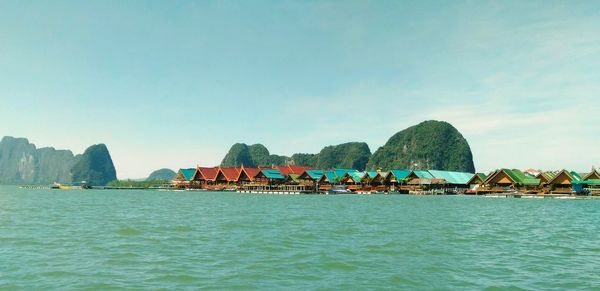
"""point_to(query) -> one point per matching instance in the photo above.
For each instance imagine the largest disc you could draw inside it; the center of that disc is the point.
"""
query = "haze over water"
(185, 240)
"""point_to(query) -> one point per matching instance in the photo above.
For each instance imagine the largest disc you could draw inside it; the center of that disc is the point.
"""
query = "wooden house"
(545, 177)
(226, 177)
(183, 178)
(203, 177)
(593, 175)
(503, 180)
(561, 183)
(477, 179)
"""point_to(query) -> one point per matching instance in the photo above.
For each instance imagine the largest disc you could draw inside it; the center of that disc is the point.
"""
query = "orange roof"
(286, 170)
(231, 174)
(250, 172)
(208, 173)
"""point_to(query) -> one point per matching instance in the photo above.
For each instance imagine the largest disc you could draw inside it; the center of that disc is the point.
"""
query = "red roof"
(231, 174)
(286, 170)
(208, 173)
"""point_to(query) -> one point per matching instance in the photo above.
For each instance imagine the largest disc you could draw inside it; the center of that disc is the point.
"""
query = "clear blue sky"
(175, 83)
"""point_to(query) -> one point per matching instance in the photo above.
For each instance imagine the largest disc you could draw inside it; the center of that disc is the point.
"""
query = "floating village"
(291, 179)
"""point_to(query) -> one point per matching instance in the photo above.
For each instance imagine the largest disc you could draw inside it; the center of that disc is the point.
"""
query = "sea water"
(105, 239)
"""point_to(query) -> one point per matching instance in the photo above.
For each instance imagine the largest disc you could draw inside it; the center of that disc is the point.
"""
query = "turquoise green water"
(179, 240)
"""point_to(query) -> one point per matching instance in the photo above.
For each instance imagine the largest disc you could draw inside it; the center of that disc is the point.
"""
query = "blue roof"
(459, 178)
(272, 174)
(188, 173)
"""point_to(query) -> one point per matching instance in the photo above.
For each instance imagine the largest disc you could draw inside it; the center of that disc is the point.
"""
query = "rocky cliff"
(22, 163)
(428, 145)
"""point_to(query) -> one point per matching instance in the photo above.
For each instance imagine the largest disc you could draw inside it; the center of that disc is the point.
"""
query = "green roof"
(576, 176)
(587, 182)
(272, 174)
(573, 175)
(481, 176)
(457, 178)
(549, 175)
(188, 173)
(294, 177)
(520, 177)
(516, 175)
(531, 182)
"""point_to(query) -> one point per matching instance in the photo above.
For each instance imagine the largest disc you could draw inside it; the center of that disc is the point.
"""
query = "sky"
(175, 83)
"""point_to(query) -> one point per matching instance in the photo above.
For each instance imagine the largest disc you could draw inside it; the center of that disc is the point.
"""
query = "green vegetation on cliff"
(138, 184)
(348, 155)
(251, 156)
(162, 174)
(94, 166)
(428, 145)
(352, 155)
(305, 159)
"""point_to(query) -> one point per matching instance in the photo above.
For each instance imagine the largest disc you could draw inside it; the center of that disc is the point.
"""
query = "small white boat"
(338, 189)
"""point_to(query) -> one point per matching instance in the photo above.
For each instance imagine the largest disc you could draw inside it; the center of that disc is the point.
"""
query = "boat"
(338, 189)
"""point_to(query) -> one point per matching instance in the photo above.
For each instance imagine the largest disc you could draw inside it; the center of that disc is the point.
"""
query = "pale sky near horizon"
(175, 83)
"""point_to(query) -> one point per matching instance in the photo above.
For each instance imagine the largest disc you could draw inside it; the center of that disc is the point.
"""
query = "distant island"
(428, 145)
(161, 174)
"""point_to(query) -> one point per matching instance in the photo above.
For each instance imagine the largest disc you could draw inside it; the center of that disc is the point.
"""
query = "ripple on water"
(128, 231)
(153, 240)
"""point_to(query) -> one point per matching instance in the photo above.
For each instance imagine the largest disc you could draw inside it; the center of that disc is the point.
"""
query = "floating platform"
(272, 192)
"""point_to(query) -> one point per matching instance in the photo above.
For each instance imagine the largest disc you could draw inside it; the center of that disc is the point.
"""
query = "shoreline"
(308, 193)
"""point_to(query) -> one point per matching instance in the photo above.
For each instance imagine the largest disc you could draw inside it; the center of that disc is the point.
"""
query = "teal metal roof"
(341, 172)
(423, 174)
(331, 176)
(188, 173)
(384, 174)
(315, 174)
(458, 178)
(401, 174)
(272, 174)
(372, 174)
(357, 176)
